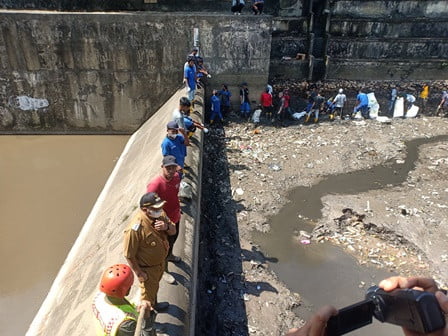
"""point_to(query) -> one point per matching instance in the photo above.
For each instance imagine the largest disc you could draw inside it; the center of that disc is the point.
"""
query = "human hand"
(146, 305)
(316, 326)
(425, 284)
(160, 225)
(142, 277)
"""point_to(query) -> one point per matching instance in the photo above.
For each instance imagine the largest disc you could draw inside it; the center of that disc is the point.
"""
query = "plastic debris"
(275, 167)
(239, 191)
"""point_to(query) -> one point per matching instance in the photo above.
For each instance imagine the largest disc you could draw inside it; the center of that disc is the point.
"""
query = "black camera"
(413, 309)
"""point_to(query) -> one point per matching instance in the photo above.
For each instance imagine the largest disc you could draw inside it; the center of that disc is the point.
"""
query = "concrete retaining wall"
(390, 9)
(109, 72)
(425, 49)
(381, 28)
(387, 69)
(67, 308)
(128, 5)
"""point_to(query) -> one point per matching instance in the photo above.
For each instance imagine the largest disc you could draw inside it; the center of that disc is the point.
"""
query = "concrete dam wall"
(363, 40)
(67, 309)
(109, 72)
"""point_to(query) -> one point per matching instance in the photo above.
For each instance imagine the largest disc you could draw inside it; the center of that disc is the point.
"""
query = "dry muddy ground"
(246, 179)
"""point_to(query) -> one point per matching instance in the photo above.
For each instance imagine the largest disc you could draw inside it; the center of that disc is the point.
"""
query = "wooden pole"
(138, 328)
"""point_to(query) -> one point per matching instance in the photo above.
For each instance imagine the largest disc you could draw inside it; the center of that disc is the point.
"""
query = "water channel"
(323, 273)
(48, 185)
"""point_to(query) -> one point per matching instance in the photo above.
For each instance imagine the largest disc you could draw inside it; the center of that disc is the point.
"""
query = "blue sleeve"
(165, 148)
(188, 122)
(181, 140)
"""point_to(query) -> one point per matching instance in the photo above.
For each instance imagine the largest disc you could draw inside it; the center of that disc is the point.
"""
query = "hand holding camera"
(416, 304)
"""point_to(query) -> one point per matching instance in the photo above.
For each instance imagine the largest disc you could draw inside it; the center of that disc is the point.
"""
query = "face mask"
(172, 136)
(155, 213)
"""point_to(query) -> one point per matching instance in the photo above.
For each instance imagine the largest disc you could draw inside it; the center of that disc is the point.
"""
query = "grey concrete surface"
(67, 308)
(75, 72)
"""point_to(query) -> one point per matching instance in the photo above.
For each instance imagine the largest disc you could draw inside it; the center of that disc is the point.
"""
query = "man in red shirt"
(166, 185)
(266, 104)
(284, 107)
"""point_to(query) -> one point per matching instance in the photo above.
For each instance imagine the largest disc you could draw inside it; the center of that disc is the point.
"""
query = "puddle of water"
(324, 273)
(48, 185)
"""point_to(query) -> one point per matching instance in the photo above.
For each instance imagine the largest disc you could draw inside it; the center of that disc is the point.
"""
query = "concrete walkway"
(67, 308)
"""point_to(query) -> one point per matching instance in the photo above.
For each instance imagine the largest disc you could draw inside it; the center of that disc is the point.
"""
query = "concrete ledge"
(67, 307)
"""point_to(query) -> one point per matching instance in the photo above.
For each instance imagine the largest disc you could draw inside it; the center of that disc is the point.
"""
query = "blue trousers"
(213, 114)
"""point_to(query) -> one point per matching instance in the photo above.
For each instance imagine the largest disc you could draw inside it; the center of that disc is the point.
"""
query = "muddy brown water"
(321, 272)
(48, 185)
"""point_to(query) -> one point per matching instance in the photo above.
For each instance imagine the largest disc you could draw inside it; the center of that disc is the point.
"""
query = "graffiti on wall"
(26, 103)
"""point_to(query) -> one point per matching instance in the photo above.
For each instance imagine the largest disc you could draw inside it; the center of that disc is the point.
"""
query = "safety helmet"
(117, 280)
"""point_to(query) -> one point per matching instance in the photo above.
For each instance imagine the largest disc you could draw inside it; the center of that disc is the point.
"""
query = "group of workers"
(151, 233)
(277, 106)
(256, 6)
(148, 242)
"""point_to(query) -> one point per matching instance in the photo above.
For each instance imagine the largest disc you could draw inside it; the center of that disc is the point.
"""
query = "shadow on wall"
(220, 303)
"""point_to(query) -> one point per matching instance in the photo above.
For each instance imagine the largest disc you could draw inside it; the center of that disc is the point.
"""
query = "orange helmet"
(117, 280)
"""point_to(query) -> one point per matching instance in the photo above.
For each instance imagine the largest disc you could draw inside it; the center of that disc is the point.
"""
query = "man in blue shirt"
(174, 144)
(244, 100)
(190, 78)
(216, 107)
(225, 99)
(363, 104)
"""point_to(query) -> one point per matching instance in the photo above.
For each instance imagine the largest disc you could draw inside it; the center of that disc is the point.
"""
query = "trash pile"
(371, 243)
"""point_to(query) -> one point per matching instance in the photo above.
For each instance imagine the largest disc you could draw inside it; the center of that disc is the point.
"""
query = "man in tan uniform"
(146, 245)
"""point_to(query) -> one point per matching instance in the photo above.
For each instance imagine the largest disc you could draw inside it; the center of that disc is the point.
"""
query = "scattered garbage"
(298, 115)
(274, 167)
(256, 116)
(265, 167)
(304, 234)
(384, 119)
